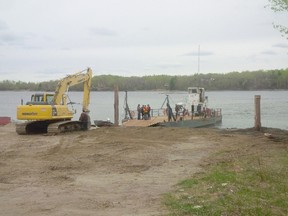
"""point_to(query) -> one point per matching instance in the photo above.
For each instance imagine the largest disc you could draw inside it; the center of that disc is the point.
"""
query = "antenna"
(198, 58)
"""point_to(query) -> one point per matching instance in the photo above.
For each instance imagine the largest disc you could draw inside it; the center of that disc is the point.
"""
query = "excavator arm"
(71, 80)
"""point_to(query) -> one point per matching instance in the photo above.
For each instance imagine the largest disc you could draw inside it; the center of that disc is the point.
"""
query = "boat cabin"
(196, 95)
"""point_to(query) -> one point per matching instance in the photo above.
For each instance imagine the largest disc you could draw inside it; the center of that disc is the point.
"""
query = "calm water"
(237, 106)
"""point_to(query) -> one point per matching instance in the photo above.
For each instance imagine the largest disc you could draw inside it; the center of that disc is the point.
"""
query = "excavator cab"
(41, 98)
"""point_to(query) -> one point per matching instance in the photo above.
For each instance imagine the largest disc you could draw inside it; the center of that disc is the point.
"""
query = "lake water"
(237, 106)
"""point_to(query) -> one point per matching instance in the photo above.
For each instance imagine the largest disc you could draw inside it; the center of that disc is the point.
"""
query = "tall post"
(257, 112)
(116, 106)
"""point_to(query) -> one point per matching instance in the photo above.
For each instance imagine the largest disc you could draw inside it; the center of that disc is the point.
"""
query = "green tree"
(280, 6)
(172, 83)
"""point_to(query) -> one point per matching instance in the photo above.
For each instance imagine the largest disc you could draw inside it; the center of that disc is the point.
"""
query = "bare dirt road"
(106, 171)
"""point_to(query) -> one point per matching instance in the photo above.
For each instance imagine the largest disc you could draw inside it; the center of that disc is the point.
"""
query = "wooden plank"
(155, 120)
(144, 123)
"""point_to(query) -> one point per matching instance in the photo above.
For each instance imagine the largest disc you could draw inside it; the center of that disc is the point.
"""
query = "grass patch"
(236, 183)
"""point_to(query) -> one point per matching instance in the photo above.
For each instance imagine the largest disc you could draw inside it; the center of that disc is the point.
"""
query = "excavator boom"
(72, 80)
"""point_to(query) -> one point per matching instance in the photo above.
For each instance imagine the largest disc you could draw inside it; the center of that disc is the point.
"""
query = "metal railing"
(217, 112)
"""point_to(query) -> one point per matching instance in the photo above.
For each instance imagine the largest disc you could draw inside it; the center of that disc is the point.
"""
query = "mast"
(198, 59)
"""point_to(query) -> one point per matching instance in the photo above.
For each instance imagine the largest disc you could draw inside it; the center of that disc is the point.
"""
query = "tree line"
(247, 80)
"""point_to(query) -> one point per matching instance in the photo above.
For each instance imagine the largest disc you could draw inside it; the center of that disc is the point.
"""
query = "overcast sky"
(42, 40)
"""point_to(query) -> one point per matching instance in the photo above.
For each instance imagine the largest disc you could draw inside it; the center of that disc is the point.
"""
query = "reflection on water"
(237, 106)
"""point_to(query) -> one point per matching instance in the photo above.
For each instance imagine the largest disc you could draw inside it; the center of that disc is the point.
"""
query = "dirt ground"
(105, 171)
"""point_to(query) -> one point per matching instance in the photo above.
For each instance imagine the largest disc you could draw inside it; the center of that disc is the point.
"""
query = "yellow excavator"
(49, 112)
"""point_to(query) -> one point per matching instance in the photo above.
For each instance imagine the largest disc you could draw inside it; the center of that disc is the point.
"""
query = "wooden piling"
(116, 106)
(257, 119)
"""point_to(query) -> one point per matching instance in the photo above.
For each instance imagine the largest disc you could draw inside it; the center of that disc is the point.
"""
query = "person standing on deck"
(145, 112)
(139, 112)
(148, 111)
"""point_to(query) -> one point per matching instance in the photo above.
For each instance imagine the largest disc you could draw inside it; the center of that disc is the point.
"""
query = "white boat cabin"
(196, 95)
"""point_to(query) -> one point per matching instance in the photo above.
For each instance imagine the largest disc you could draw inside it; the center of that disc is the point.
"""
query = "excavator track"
(21, 128)
(32, 127)
(63, 126)
(47, 127)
